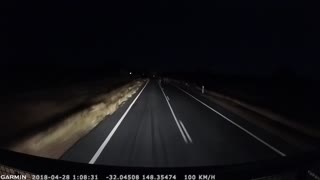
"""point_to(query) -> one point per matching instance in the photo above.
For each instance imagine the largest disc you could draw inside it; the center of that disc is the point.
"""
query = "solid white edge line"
(186, 132)
(174, 116)
(254, 136)
(262, 178)
(103, 145)
(314, 175)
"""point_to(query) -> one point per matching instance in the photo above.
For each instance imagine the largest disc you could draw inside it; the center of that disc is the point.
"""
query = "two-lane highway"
(166, 126)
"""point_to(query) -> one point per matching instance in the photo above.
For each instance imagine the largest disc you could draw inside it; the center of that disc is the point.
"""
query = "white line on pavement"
(174, 116)
(254, 136)
(103, 145)
(185, 130)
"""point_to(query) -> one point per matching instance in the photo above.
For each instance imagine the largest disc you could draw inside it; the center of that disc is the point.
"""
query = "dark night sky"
(220, 36)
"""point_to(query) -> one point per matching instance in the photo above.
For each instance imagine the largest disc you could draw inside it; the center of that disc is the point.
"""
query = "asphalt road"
(166, 126)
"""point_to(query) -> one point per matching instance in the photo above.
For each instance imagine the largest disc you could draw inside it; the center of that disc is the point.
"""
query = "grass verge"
(57, 139)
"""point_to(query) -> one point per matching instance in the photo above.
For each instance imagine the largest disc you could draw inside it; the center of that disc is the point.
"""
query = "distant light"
(154, 76)
(130, 72)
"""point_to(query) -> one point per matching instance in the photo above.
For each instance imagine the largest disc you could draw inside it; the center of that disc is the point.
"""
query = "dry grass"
(25, 112)
(53, 142)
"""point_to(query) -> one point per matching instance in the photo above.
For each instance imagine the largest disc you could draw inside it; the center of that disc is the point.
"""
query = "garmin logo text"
(13, 177)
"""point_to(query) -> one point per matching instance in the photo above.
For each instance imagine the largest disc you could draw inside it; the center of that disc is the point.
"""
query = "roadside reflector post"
(202, 89)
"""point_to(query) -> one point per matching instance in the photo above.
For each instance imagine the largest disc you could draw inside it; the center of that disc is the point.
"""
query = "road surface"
(166, 126)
